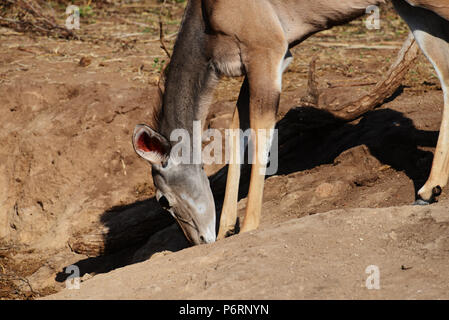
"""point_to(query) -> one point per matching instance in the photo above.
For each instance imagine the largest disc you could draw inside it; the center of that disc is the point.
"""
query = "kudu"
(253, 38)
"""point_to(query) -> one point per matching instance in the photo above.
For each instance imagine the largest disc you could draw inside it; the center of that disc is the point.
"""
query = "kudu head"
(182, 189)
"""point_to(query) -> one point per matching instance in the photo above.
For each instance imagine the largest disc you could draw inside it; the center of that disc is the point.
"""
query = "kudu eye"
(164, 202)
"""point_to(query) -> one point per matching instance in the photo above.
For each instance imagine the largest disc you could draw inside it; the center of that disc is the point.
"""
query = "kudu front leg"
(240, 121)
(237, 149)
(265, 77)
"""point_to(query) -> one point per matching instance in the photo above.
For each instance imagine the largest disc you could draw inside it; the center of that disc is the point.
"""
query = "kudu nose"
(208, 237)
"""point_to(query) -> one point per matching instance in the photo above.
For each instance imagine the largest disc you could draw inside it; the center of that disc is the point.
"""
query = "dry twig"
(161, 31)
(27, 15)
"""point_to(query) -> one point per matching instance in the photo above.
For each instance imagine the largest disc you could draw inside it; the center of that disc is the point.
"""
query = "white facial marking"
(200, 207)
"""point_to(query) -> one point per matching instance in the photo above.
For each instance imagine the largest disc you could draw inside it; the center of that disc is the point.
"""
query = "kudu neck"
(188, 75)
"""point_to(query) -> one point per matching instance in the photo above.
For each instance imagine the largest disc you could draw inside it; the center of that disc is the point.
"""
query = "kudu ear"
(151, 145)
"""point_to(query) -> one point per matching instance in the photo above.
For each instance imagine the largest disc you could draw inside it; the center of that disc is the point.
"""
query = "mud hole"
(68, 109)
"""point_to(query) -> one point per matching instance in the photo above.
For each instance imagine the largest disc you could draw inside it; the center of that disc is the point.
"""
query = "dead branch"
(383, 90)
(162, 77)
(161, 32)
(363, 81)
(356, 46)
(140, 24)
(312, 97)
(28, 16)
(13, 277)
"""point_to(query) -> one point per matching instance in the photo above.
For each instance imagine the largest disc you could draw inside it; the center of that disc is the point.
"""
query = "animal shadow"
(307, 138)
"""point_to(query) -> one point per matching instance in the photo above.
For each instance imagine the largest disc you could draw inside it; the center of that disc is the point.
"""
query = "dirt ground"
(324, 256)
(68, 109)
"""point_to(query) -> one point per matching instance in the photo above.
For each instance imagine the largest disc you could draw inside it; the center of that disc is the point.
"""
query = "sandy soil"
(324, 256)
(66, 160)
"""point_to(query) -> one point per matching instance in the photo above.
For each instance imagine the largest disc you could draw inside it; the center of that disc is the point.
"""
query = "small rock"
(86, 277)
(393, 235)
(85, 61)
(325, 190)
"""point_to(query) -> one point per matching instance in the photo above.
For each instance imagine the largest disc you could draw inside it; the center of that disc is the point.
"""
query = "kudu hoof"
(421, 202)
(436, 191)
